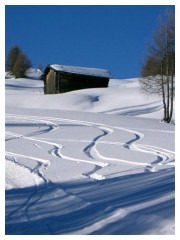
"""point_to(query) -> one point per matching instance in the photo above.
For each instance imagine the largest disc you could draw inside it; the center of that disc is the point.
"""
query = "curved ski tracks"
(163, 156)
(95, 157)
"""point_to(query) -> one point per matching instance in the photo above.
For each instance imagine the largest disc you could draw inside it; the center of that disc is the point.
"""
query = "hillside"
(93, 161)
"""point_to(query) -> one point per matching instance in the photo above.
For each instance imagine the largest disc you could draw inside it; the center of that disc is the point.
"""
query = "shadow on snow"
(87, 205)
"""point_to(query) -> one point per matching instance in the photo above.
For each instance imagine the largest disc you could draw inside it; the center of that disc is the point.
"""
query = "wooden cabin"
(61, 78)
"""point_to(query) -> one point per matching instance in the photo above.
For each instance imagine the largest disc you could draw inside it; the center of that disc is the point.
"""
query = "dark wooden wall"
(66, 82)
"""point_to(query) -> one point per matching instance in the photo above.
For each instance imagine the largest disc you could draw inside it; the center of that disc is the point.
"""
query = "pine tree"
(17, 62)
(21, 65)
(12, 57)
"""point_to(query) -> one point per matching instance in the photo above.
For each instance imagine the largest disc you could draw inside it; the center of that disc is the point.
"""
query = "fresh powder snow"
(92, 161)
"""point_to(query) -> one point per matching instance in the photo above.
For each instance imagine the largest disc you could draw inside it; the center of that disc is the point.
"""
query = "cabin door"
(51, 82)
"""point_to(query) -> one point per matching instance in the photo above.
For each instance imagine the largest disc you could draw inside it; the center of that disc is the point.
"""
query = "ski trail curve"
(91, 148)
(88, 150)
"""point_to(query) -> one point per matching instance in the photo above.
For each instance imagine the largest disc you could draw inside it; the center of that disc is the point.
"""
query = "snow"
(15, 173)
(93, 161)
(34, 73)
(82, 70)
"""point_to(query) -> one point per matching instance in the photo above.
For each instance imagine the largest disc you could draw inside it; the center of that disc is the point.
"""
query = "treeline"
(17, 62)
(158, 70)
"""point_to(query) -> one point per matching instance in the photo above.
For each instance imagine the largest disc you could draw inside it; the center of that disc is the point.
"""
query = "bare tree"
(158, 71)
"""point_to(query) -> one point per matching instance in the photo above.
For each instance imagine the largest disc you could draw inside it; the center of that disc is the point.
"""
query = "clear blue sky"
(110, 37)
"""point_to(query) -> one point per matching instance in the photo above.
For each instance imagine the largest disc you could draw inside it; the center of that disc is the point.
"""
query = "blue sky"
(110, 37)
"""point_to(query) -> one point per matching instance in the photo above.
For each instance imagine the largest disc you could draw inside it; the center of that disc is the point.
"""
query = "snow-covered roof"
(82, 70)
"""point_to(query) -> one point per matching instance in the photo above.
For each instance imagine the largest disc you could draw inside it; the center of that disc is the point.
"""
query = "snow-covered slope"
(93, 161)
(122, 97)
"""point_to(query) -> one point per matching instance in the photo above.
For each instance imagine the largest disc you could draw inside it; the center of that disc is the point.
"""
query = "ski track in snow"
(95, 158)
(163, 155)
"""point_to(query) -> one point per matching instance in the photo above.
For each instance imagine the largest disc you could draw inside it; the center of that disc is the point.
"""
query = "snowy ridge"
(34, 73)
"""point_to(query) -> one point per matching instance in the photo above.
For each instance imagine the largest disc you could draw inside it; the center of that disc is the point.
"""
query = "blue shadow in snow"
(75, 205)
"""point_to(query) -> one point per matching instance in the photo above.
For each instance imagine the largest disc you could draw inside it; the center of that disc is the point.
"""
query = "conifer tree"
(17, 62)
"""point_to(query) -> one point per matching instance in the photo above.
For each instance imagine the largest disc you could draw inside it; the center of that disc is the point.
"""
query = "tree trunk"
(168, 98)
(172, 98)
(172, 82)
(163, 93)
(164, 102)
